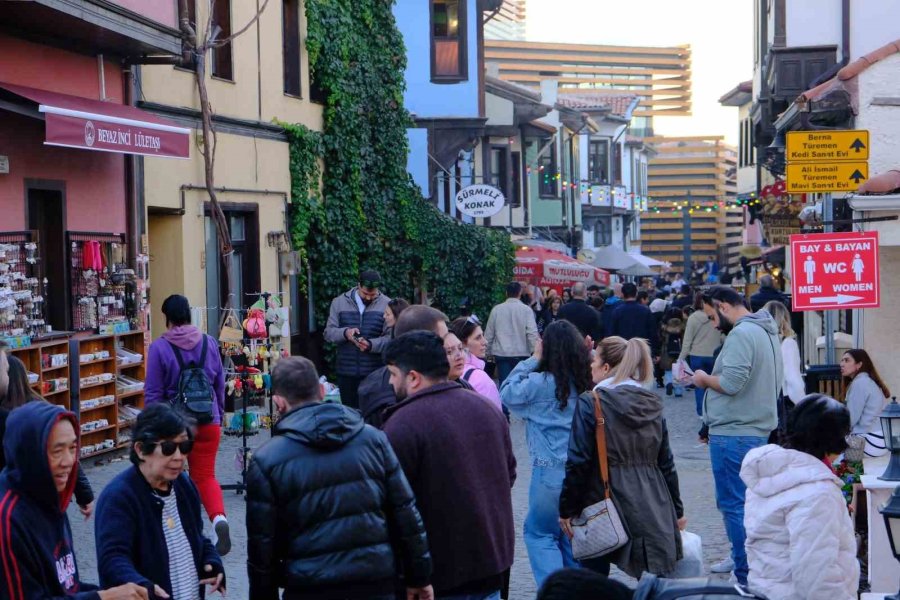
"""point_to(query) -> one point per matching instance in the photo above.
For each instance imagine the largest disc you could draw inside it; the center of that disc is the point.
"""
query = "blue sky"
(720, 33)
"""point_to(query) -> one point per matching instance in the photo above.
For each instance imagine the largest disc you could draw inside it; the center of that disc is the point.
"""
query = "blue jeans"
(548, 547)
(505, 365)
(726, 454)
(491, 596)
(706, 364)
(676, 387)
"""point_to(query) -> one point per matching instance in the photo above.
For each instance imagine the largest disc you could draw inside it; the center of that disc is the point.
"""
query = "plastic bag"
(691, 564)
(681, 372)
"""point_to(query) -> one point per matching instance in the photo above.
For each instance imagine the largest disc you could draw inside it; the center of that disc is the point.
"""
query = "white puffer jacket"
(800, 541)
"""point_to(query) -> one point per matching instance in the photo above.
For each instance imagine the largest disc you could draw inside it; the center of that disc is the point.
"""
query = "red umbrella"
(548, 268)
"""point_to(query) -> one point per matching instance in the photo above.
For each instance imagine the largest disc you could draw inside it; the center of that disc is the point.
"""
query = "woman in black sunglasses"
(149, 524)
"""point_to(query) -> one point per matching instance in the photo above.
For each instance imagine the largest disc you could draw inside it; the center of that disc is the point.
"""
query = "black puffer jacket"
(330, 513)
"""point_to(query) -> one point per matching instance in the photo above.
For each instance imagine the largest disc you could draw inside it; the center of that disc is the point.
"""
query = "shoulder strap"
(468, 373)
(177, 354)
(600, 433)
(203, 351)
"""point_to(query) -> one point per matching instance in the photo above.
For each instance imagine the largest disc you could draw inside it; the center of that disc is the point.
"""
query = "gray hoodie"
(750, 371)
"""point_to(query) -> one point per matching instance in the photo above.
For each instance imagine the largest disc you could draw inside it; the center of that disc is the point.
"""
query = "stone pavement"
(691, 458)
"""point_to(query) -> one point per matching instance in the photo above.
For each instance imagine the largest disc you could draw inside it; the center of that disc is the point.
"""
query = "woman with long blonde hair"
(792, 386)
(642, 476)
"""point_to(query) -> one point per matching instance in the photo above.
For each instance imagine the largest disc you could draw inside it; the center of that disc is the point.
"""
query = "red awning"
(548, 268)
(75, 122)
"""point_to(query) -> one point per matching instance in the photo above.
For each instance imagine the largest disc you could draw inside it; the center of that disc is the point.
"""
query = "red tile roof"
(616, 104)
(885, 183)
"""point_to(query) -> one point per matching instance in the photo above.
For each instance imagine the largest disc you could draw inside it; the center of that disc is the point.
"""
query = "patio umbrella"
(637, 270)
(613, 258)
(547, 268)
(647, 261)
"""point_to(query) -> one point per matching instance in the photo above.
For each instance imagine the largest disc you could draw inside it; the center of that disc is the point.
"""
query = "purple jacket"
(162, 366)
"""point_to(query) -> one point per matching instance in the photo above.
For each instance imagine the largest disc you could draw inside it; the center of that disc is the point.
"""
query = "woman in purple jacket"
(162, 386)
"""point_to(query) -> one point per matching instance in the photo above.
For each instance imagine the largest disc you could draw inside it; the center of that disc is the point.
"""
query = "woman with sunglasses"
(149, 524)
(468, 330)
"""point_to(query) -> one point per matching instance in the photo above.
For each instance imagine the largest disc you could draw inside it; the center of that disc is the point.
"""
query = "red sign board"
(835, 271)
(94, 132)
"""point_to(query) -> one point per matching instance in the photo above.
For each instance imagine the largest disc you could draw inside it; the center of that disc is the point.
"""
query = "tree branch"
(230, 38)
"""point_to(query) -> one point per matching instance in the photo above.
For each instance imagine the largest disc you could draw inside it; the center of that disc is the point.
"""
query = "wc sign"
(835, 271)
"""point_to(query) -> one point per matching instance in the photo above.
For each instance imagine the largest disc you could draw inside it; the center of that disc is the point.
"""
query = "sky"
(720, 33)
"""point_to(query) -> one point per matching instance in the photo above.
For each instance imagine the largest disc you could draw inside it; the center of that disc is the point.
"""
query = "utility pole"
(828, 210)
(687, 217)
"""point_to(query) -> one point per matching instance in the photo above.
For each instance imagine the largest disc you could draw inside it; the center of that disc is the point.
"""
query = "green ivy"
(363, 210)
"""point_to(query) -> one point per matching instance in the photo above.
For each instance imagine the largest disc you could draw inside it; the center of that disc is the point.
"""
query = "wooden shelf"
(131, 366)
(55, 392)
(98, 430)
(129, 394)
(97, 361)
(99, 452)
(126, 425)
(50, 369)
(94, 385)
(93, 408)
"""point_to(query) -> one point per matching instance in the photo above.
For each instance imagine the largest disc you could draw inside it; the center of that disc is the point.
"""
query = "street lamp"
(891, 512)
(890, 426)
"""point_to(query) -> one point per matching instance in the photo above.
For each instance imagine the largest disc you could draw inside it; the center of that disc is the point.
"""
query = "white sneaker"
(723, 566)
(222, 535)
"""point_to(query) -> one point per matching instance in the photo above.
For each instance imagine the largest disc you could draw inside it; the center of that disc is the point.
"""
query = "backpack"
(195, 394)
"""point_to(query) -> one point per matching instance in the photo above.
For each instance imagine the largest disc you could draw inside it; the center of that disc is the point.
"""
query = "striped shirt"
(182, 569)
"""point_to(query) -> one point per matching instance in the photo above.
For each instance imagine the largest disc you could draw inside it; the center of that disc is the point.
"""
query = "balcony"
(614, 198)
(127, 28)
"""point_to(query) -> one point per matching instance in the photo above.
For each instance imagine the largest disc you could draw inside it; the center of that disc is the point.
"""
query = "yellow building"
(261, 76)
(691, 181)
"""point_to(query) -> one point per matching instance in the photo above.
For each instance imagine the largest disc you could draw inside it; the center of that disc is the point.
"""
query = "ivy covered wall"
(353, 203)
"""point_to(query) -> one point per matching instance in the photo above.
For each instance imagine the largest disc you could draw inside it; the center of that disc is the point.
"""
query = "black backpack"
(195, 394)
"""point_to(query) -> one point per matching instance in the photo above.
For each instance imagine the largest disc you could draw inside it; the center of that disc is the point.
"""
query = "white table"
(884, 570)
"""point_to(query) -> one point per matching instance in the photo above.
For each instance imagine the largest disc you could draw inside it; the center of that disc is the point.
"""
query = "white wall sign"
(480, 201)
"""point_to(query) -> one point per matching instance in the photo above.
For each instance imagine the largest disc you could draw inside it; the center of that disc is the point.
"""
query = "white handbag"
(599, 529)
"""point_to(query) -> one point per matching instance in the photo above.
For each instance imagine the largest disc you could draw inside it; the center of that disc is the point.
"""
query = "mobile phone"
(688, 370)
(358, 337)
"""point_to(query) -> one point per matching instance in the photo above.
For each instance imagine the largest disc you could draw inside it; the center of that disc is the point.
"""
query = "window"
(548, 187)
(617, 165)
(291, 46)
(598, 162)
(243, 224)
(448, 40)
(602, 235)
(499, 156)
(222, 61)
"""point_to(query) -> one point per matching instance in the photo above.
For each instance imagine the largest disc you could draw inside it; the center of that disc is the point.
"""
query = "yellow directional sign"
(823, 177)
(813, 146)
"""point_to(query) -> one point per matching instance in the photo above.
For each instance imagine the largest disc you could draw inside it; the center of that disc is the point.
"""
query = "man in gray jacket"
(356, 324)
(511, 332)
(740, 407)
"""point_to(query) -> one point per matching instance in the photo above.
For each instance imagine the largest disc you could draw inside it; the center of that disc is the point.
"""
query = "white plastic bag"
(681, 372)
(691, 564)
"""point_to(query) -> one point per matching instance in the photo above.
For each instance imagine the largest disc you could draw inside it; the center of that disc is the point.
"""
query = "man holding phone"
(356, 324)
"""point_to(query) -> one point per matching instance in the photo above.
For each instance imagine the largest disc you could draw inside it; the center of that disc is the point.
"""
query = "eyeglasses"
(168, 447)
(473, 319)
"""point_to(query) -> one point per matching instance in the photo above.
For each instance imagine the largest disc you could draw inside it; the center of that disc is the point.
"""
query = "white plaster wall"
(813, 22)
(873, 23)
(883, 122)
(881, 327)
(499, 111)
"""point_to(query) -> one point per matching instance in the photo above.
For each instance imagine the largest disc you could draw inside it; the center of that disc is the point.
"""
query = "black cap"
(370, 279)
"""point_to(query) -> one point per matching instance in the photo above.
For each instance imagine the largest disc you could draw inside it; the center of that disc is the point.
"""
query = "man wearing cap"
(356, 324)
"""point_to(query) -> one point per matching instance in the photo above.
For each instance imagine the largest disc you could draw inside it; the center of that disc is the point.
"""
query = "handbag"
(599, 529)
(231, 330)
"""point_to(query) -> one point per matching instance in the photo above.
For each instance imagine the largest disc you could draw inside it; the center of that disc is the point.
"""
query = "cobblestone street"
(693, 470)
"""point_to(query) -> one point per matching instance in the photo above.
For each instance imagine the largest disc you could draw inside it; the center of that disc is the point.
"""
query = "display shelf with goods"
(104, 289)
(22, 288)
(131, 361)
(94, 361)
(48, 370)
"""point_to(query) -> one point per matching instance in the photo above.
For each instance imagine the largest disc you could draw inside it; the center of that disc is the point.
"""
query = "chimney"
(549, 91)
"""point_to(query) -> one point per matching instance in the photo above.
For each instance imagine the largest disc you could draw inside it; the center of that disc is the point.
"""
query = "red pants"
(202, 465)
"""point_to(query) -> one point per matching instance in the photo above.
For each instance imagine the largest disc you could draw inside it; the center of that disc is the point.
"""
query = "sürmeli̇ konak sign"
(480, 201)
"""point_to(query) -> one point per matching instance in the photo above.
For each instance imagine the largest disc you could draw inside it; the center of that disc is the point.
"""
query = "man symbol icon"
(858, 267)
(809, 267)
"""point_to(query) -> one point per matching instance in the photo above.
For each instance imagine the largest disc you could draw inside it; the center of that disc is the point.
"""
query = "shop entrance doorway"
(46, 208)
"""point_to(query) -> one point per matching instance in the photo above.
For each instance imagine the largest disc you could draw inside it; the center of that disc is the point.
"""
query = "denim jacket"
(532, 396)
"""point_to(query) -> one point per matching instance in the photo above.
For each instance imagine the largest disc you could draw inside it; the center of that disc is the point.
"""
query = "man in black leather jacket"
(330, 513)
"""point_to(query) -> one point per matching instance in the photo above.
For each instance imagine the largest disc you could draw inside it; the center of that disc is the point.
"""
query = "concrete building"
(692, 182)
(508, 23)
(661, 77)
(261, 76)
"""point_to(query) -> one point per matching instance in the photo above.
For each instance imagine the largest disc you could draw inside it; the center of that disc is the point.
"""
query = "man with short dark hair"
(767, 293)
(632, 319)
(740, 407)
(643, 297)
(455, 450)
(583, 316)
(593, 291)
(329, 510)
(356, 324)
(511, 332)
(375, 392)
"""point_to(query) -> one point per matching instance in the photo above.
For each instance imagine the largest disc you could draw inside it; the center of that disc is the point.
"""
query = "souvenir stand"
(96, 370)
(250, 349)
